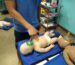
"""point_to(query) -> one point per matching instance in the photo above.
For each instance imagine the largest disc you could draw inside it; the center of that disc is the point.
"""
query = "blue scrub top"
(29, 10)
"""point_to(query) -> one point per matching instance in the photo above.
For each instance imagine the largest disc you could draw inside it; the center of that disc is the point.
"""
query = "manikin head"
(27, 48)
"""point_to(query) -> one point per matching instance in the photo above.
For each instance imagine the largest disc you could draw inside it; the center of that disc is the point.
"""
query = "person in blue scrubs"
(25, 14)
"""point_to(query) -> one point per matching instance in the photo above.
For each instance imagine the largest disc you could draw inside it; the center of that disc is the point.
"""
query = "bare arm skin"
(10, 4)
(39, 49)
(67, 59)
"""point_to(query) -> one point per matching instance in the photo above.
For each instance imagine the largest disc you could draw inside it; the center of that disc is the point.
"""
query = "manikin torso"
(42, 41)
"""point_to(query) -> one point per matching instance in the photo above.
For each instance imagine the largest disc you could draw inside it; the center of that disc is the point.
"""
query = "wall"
(67, 15)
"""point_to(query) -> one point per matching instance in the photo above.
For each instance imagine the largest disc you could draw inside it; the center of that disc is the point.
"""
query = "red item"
(53, 5)
(50, 15)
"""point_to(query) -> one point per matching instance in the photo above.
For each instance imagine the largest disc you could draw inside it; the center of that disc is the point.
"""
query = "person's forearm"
(15, 14)
(19, 18)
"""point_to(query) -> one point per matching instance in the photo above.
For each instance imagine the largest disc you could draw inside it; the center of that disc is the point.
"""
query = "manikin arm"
(53, 40)
(39, 49)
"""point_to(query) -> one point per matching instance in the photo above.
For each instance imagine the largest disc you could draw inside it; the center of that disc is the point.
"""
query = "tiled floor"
(7, 48)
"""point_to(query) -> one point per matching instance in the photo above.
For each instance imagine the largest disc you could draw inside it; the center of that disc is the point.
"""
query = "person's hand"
(32, 31)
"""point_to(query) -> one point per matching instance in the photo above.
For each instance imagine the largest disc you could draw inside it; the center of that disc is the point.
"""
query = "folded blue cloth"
(11, 20)
(7, 27)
